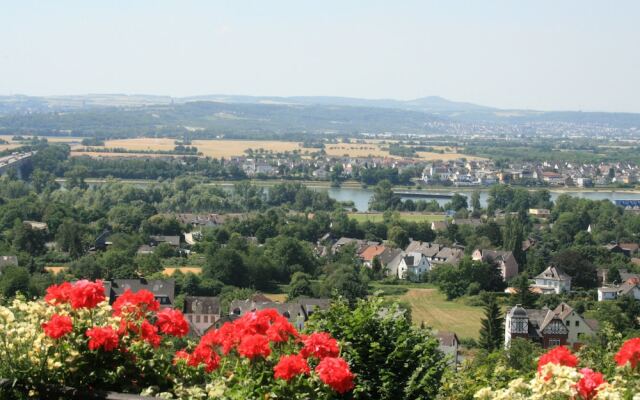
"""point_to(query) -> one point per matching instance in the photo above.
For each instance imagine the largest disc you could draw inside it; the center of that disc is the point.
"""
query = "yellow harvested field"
(96, 154)
(211, 148)
(55, 269)
(279, 297)
(168, 271)
(355, 150)
(8, 146)
(230, 148)
(425, 155)
(141, 144)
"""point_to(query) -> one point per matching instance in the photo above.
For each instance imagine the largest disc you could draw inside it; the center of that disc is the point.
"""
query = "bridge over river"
(424, 195)
(15, 161)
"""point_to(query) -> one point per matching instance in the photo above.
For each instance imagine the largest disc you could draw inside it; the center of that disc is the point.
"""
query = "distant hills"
(105, 114)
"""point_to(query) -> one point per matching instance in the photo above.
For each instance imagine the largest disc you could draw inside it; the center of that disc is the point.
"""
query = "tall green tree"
(491, 332)
(391, 358)
(300, 286)
(69, 238)
(383, 197)
(475, 200)
(513, 237)
(523, 295)
(398, 236)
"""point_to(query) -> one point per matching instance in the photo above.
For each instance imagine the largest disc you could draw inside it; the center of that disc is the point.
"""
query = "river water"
(360, 197)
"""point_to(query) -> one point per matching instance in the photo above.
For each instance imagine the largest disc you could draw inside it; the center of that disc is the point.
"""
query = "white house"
(449, 346)
(553, 280)
(630, 287)
(413, 266)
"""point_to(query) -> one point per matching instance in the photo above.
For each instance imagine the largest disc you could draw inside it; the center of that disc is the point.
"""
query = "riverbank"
(351, 184)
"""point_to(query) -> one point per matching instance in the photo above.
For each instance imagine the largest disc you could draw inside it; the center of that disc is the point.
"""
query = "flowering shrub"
(558, 378)
(74, 338)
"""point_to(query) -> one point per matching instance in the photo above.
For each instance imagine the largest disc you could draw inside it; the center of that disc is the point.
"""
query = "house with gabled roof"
(163, 289)
(448, 255)
(345, 241)
(439, 225)
(503, 260)
(630, 287)
(201, 312)
(448, 344)
(370, 252)
(427, 249)
(560, 326)
(552, 280)
(413, 266)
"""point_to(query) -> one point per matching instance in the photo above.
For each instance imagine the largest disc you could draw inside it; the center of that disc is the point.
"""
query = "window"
(577, 323)
(197, 319)
(554, 342)
(206, 319)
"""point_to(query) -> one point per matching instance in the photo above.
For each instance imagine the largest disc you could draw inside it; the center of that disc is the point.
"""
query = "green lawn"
(408, 216)
(431, 306)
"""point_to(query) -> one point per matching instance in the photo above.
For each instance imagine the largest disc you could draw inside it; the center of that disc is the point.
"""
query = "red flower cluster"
(136, 304)
(252, 346)
(149, 333)
(204, 355)
(629, 353)
(58, 294)
(320, 345)
(291, 366)
(588, 385)
(58, 326)
(251, 334)
(105, 338)
(559, 355)
(81, 294)
(172, 322)
(335, 372)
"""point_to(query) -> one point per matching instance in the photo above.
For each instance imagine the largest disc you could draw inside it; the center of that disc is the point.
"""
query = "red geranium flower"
(58, 294)
(560, 356)
(225, 337)
(252, 346)
(102, 337)
(281, 331)
(136, 304)
(149, 333)
(290, 366)
(629, 353)
(86, 294)
(588, 385)
(204, 355)
(180, 355)
(320, 345)
(172, 322)
(58, 326)
(335, 372)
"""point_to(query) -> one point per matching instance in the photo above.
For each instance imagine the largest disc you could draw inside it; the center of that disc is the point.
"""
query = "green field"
(407, 216)
(431, 306)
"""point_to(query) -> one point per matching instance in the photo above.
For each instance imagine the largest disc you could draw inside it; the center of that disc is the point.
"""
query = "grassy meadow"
(430, 306)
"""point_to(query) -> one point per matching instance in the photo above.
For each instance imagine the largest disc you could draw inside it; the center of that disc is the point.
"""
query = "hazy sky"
(513, 54)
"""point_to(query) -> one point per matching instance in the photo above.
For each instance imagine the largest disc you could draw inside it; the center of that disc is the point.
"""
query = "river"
(360, 197)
